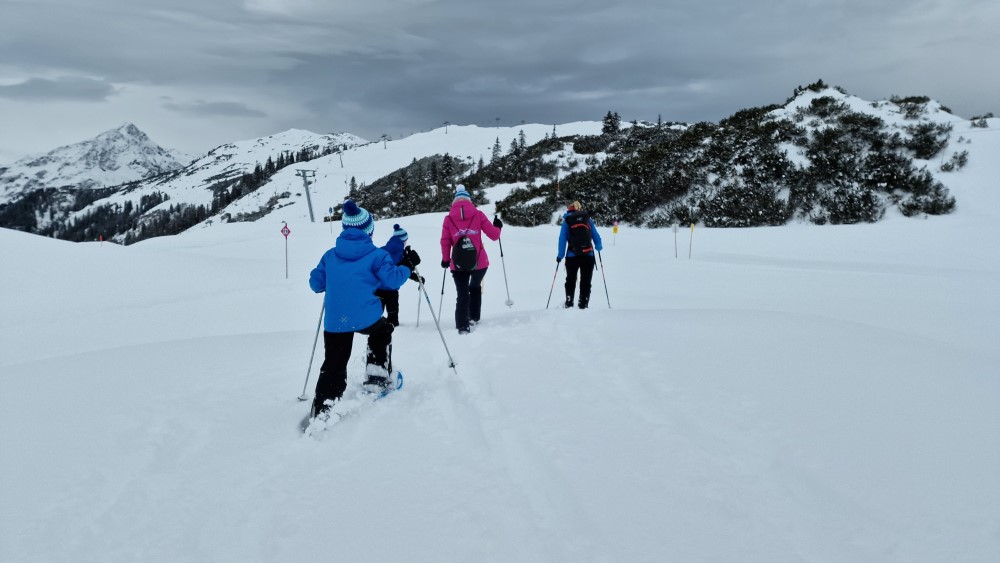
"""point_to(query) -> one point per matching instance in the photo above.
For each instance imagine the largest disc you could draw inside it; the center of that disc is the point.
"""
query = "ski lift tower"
(306, 174)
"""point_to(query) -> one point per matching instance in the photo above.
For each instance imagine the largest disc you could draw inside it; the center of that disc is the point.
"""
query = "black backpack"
(580, 241)
(464, 255)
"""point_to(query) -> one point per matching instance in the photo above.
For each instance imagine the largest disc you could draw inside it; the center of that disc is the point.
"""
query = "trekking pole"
(558, 261)
(451, 361)
(508, 302)
(418, 307)
(444, 276)
(604, 278)
(303, 396)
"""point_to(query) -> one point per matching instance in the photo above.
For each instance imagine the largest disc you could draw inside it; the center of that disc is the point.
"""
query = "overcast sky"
(194, 74)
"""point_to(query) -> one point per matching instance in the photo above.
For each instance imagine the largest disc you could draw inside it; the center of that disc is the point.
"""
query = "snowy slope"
(786, 394)
(369, 162)
(120, 155)
(363, 160)
(191, 184)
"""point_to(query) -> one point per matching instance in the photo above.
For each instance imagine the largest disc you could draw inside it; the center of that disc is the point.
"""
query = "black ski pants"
(332, 380)
(469, 300)
(390, 304)
(585, 266)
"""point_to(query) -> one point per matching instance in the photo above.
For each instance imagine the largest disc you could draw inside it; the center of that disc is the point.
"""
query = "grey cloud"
(64, 88)
(398, 66)
(184, 42)
(218, 109)
(371, 95)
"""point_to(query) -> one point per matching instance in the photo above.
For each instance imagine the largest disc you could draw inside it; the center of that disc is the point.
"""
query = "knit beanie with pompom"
(400, 232)
(357, 218)
(461, 193)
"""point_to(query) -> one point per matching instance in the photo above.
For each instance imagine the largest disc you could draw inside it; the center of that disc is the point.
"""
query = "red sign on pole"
(286, 231)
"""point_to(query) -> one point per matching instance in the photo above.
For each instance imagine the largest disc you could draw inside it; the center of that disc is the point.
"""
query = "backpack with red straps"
(580, 239)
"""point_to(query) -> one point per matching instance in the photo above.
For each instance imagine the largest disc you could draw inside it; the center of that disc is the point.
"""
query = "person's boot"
(584, 301)
(569, 302)
(377, 378)
(321, 408)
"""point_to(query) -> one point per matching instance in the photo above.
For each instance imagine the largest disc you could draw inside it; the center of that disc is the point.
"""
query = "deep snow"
(786, 394)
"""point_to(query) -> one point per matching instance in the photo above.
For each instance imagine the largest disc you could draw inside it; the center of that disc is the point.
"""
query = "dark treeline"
(424, 186)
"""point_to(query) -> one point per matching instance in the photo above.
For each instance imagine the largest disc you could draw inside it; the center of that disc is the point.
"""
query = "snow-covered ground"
(786, 394)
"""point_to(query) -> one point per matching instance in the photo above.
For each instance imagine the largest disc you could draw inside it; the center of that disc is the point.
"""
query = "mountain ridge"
(116, 156)
(760, 166)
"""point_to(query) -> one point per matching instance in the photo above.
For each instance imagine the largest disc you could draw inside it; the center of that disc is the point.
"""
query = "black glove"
(416, 278)
(445, 263)
(410, 258)
(497, 222)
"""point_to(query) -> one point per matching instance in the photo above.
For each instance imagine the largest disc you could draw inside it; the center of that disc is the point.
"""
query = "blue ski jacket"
(395, 248)
(349, 273)
(564, 238)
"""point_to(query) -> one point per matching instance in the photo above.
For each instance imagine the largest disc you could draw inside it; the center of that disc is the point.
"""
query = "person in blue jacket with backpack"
(578, 239)
(349, 273)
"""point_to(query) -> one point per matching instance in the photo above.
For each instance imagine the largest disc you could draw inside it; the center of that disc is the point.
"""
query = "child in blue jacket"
(390, 297)
(349, 273)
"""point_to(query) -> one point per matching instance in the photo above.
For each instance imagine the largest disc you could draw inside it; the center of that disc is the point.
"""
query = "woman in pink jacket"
(462, 250)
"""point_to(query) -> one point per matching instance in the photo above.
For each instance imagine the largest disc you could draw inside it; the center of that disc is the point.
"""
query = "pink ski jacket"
(465, 219)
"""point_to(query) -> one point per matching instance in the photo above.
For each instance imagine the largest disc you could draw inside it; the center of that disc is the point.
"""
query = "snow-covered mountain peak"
(127, 133)
(119, 155)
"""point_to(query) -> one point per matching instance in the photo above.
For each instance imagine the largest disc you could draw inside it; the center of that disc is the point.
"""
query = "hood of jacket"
(462, 211)
(353, 244)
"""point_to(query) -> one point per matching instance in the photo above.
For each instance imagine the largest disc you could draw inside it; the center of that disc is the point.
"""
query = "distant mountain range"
(122, 186)
(823, 157)
(121, 155)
